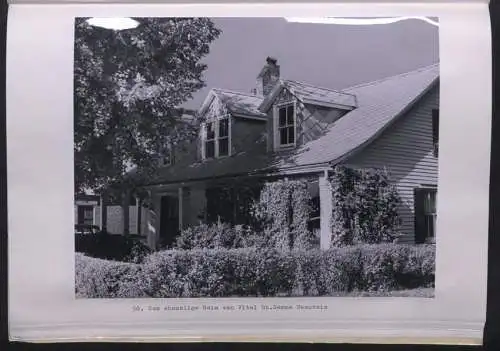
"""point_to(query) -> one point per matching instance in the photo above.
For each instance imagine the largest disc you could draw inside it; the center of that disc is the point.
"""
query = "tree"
(128, 87)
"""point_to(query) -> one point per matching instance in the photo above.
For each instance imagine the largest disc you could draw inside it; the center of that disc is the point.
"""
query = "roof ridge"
(317, 86)
(380, 80)
(237, 92)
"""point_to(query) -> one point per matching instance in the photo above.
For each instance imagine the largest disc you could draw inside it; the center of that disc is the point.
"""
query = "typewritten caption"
(229, 307)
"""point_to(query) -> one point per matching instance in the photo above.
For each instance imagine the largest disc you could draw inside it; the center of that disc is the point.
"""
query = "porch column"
(104, 213)
(153, 222)
(326, 207)
(138, 219)
(181, 198)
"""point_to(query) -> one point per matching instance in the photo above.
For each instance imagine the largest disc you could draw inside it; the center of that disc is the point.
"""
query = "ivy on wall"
(232, 203)
(283, 213)
(365, 206)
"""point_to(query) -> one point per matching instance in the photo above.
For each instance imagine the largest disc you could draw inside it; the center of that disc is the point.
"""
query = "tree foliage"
(128, 86)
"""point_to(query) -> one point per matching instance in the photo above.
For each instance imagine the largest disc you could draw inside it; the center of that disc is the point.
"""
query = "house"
(290, 129)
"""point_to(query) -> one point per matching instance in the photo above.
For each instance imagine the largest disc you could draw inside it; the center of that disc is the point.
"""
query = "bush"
(218, 235)
(218, 273)
(112, 247)
(260, 272)
(97, 278)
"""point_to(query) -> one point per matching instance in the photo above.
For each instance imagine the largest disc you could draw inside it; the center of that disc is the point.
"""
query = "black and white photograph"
(233, 157)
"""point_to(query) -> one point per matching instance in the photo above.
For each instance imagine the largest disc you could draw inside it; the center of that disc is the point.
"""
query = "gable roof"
(240, 104)
(379, 104)
(311, 94)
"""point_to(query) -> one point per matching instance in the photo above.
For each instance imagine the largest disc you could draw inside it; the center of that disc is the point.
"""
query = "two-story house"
(285, 128)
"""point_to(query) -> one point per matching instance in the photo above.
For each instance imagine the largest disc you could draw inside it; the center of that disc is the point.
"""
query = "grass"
(420, 292)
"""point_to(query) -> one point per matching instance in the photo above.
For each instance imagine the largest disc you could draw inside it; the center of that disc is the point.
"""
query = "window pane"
(291, 135)
(88, 213)
(223, 147)
(283, 136)
(289, 115)
(210, 131)
(223, 127)
(430, 202)
(210, 149)
(430, 226)
(282, 112)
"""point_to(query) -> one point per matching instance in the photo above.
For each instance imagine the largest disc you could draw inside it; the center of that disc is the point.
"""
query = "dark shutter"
(420, 228)
(435, 130)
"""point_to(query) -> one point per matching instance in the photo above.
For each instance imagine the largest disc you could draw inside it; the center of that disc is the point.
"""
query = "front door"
(169, 220)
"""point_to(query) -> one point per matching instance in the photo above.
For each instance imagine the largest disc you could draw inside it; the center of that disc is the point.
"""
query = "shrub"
(97, 278)
(260, 272)
(112, 247)
(364, 206)
(217, 235)
(218, 272)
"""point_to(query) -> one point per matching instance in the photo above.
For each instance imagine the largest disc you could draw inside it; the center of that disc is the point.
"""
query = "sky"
(327, 55)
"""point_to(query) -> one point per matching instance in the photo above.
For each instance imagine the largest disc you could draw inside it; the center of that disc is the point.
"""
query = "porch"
(174, 207)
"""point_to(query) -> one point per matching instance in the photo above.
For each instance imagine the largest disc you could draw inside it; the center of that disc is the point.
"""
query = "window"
(425, 215)
(223, 137)
(86, 215)
(210, 140)
(435, 131)
(286, 125)
(216, 135)
(315, 214)
(168, 158)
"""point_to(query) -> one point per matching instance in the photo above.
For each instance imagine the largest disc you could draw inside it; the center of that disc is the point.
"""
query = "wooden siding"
(405, 149)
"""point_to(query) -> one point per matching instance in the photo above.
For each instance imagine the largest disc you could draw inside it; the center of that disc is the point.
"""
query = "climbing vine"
(283, 213)
(365, 206)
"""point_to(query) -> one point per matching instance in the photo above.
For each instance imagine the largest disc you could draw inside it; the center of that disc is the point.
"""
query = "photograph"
(239, 157)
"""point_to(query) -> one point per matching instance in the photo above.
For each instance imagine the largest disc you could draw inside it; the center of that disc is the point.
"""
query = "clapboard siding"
(405, 149)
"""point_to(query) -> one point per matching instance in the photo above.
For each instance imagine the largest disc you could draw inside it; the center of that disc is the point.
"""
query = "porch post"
(181, 198)
(104, 213)
(153, 222)
(138, 205)
(326, 207)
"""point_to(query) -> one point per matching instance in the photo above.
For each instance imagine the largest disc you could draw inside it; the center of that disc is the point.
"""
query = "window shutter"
(435, 130)
(275, 128)
(419, 203)
(230, 135)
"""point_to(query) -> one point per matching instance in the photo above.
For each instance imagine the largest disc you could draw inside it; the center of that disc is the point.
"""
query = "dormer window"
(216, 138)
(210, 140)
(168, 158)
(285, 122)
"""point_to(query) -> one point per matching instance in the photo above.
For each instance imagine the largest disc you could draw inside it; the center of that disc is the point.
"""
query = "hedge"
(95, 277)
(256, 272)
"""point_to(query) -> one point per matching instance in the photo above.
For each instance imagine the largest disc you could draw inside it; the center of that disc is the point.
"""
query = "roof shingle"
(379, 103)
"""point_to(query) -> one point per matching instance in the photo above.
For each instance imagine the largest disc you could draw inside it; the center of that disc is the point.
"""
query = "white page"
(42, 305)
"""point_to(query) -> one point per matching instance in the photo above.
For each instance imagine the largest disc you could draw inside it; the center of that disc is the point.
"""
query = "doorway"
(169, 220)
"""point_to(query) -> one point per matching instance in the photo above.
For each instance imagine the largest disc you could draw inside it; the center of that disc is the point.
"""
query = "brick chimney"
(268, 77)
